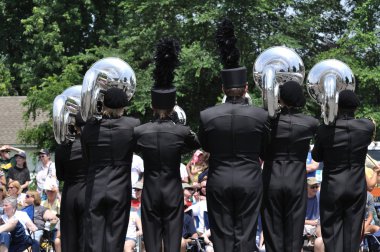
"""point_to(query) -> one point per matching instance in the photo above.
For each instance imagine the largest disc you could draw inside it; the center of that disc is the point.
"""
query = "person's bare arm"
(9, 226)
(313, 166)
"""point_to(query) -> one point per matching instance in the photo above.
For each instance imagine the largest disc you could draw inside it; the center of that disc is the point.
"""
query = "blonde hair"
(36, 197)
(113, 113)
(16, 184)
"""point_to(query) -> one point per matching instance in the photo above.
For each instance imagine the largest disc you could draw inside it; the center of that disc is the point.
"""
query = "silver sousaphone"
(274, 67)
(65, 108)
(104, 74)
(324, 82)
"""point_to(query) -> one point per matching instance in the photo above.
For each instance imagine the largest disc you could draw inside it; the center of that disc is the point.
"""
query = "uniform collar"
(236, 100)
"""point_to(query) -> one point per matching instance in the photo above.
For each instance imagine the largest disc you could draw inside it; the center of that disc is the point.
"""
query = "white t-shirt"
(183, 171)
(198, 211)
(136, 169)
(132, 225)
(43, 172)
(22, 216)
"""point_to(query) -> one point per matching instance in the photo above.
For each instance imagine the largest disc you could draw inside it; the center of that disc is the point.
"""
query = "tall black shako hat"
(348, 100)
(166, 59)
(233, 76)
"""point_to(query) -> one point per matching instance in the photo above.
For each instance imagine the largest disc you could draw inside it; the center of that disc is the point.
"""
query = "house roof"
(12, 120)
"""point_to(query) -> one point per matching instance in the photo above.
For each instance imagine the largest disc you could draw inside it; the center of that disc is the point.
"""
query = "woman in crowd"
(20, 172)
(197, 165)
(13, 236)
(14, 190)
(52, 202)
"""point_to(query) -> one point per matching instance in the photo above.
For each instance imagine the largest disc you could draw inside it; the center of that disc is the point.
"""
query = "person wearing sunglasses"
(312, 228)
(45, 169)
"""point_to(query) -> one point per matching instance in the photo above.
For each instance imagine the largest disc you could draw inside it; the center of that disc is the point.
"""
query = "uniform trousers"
(108, 196)
(162, 213)
(72, 216)
(284, 205)
(342, 209)
(233, 202)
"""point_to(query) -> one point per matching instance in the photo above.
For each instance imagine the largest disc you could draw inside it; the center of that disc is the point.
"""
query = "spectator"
(52, 202)
(199, 209)
(188, 232)
(137, 171)
(46, 169)
(188, 192)
(3, 194)
(136, 202)
(311, 229)
(14, 190)
(369, 226)
(372, 172)
(184, 174)
(40, 214)
(197, 164)
(13, 235)
(6, 162)
(311, 165)
(134, 230)
(20, 172)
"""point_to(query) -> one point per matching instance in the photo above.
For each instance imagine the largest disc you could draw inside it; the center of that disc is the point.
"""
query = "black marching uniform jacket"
(234, 134)
(161, 144)
(284, 178)
(72, 170)
(108, 147)
(342, 148)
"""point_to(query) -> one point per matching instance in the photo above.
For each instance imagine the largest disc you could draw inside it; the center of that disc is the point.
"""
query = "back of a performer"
(108, 148)
(234, 133)
(72, 170)
(284, 173)
(342, 148)
(161, 143)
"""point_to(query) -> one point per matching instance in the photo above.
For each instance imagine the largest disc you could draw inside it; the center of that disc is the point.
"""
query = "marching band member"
(107, 146)
(161, 143)
(72, 170)
(234, 134)
(342, 148)
(284, 173)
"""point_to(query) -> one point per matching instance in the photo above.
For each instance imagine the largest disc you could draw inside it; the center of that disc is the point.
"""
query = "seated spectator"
(45, 169)
(53, 203)
(312, 229)
(134, 230)
(188, 192)
(20, 172)
(13, 234)
(369, 226)
(7, 162)
(198, 209)
(197, 165)
(188, 231)
(136, 202)
(184, 174)
(14, 190)
(32, 206)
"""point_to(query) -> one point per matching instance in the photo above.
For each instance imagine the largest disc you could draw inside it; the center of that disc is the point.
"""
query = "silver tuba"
(274, 67)
(104, 74)
(65, 108)
(324, 82)
(181, 115)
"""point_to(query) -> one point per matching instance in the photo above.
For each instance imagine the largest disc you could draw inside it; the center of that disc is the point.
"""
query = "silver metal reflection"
(274, 67)
(104, 74)
(246, 96)
(180, 114)
(324, 82)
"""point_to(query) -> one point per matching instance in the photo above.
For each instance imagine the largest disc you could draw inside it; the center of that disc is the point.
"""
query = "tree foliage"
(49, 45)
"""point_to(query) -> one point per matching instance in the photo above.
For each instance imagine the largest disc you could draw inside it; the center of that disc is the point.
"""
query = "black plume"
(226, 40)
(166, 59)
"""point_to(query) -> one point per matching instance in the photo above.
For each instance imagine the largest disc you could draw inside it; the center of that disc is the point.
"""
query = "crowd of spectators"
(26, 212)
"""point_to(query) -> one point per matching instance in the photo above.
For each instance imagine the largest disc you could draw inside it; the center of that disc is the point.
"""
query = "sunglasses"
(11, 187)
(314, 187)
(29, 196)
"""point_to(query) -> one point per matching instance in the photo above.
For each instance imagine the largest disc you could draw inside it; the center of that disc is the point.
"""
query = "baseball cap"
(312, 181)
(44, 151)
(21, 154)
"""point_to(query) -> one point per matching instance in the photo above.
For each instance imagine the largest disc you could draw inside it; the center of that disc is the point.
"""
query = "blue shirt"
(312, 210)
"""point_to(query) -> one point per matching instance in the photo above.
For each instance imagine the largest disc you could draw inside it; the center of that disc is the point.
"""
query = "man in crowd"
(6, 162)
(45, 170)
(312, 228)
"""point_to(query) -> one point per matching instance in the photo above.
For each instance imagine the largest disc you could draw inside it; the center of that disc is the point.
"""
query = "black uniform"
(284, 179)
(234, 134)
(342, 148)
(161, 143)
(72, 170)
(108, 148)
